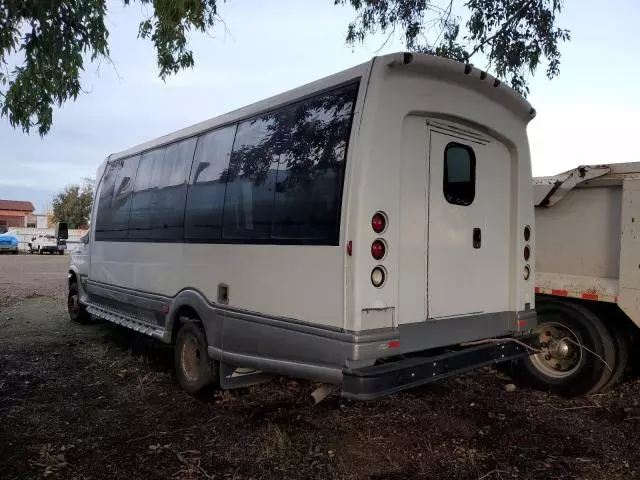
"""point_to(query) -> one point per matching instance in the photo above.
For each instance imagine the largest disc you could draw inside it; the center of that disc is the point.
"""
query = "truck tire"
(622, 357)
(77, 312)
(197, 373)
(566, 368)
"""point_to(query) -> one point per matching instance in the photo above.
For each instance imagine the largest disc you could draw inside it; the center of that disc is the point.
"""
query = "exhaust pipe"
(320, 393)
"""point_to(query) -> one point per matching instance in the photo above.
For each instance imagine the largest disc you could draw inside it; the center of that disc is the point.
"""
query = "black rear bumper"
(379, 380)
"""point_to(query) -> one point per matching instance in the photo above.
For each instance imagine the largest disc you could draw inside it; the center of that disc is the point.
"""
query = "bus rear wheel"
(579, 352)
(196, 372)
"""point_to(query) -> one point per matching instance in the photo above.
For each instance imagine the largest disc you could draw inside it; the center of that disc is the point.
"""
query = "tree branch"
(504, 27)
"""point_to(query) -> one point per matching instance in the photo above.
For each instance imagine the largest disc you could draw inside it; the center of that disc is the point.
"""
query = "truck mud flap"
(384, 379)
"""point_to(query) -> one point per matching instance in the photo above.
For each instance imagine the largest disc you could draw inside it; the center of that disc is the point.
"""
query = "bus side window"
(248, 201)
(311, 169)
(105, 196)
(170, 198)
(142, 220)
(122, 193)
(205, 199)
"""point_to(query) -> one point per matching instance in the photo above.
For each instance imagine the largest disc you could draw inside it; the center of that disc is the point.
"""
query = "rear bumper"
(8, 248)
(379, 380)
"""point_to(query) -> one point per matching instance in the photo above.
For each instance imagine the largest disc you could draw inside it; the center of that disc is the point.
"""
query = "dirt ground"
(100, 402)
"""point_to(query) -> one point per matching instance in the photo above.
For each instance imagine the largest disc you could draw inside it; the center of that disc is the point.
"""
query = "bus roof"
(450, 70)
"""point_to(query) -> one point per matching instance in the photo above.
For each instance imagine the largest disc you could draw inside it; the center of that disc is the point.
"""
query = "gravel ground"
(28, 276)
(99, 402)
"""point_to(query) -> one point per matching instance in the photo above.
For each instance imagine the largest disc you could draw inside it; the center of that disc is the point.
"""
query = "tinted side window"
(205, 201)
(459, 183)
(168, 211)
(105, 196)
(311, 167)
(141, 221)
(251, 176)
(122, 193)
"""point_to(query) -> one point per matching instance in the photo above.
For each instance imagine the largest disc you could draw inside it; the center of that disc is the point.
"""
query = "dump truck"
(587, 276)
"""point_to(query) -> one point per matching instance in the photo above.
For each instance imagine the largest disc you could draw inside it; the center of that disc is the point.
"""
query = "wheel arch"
(191, 302)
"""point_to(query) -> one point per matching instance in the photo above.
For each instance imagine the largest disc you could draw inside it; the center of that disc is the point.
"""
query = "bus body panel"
(399, 98)
(312, 309)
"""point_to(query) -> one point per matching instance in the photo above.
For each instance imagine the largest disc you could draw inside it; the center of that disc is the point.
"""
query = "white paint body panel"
(454, 265)
(387, 169)
(588, 240)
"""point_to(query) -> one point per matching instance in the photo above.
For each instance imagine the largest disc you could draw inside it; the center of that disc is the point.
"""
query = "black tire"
(590, 374)
(623, 348)
(197, 373)
(77, 312)
(40, 251)
(15, 252)
(61, 252)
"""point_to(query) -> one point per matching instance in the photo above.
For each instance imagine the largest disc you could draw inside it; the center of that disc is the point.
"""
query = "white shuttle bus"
(365, 230)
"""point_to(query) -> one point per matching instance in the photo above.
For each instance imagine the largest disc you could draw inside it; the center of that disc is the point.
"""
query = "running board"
(121, 318)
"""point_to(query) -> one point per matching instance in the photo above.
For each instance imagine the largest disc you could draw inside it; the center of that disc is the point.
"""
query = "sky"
(270, 46)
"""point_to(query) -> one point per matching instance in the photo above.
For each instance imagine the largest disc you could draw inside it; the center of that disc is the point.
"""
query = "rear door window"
(459, 183)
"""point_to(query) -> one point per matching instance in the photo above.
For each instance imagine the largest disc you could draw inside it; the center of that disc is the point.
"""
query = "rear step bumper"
(379, 380)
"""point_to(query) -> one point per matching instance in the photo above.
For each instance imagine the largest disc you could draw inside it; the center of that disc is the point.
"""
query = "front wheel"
(579, 352)
(77, 312)
(196, 372)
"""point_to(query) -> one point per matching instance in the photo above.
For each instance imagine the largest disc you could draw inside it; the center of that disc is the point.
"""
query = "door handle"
(477, 238)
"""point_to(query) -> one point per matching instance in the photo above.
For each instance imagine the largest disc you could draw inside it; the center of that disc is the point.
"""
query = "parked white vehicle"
(45, 243)
(355, 231)
(587, 277)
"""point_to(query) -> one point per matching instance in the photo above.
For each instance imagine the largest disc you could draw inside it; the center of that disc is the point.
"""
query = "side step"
(126, 320)
(378, 380)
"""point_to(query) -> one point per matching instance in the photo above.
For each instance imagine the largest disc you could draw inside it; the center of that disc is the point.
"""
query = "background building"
(14, 213)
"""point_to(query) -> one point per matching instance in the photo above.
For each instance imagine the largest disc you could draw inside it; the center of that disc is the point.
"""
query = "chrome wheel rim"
(190, 358)
(562, 356)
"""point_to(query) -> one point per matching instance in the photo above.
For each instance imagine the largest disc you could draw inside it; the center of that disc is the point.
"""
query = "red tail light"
(527, 253)
(379, 222)
(378, 249)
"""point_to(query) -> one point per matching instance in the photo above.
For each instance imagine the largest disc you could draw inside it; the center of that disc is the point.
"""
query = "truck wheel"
(622, 357)
(196, 372)
(565, 367)
(77, 312)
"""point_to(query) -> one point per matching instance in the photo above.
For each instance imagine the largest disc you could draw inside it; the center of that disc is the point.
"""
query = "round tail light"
(527, 253)
(378, 249)
(527, 272)
(527, 233)
(379, 222)
(378, 276)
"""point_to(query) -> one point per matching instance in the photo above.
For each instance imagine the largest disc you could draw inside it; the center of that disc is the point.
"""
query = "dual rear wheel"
(581, 354)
